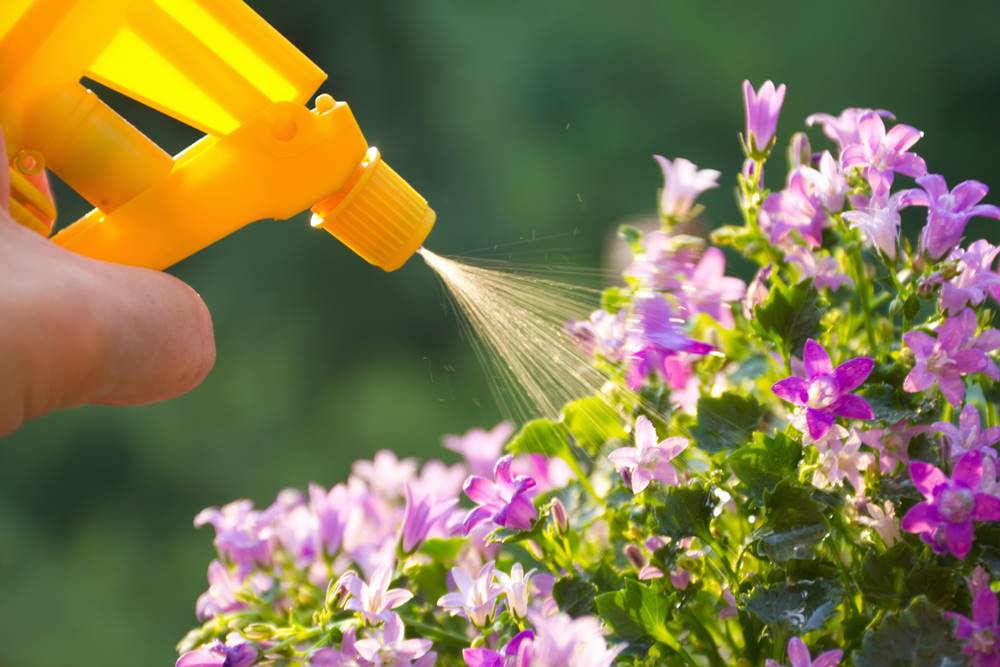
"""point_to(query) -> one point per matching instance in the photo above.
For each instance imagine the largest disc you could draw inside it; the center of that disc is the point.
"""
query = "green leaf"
(791, 505)
(887, 403)
(761, 465)
(540, 436)
(593, 422)
(653, 613)
(726, 422)
(685, 512)
(883, 576)
(575, 596)
(920, 636)
(444, 550)
(795, 607)
(794, 544)
(620, 610)
(789, 315)
(941, 585)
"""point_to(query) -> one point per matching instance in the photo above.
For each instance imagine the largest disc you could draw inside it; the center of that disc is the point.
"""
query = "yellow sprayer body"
(218, 67)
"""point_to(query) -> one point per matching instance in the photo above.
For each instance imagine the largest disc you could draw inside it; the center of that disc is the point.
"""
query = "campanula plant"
(796, 471)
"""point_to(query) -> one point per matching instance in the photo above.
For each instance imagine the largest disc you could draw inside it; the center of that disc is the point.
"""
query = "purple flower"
(236, 652)
(653, 336)
(473, 598)
(793, 209)
(649, 459)
(506, 500)
(388, 647)
(374, 597)
(975, 279)
(507, 657)
(969, 436)
(892, 443)
(762, 109)
(948, 212)
(346, 656)
(602, 333)
(561, 641)
(664, 263)
(798, 656)
(823, 271)
(824, 391)
(682, 183)
(879, 153)
(981, 633)
(710, 290)
(480, 448)
(944, 519)
(956, 351)
(844, 128)
(241, 534)
(420, 515)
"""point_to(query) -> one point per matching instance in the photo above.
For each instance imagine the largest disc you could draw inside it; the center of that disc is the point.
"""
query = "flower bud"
(799, 151)
(634, 555)
(258, 632)
(559, 517)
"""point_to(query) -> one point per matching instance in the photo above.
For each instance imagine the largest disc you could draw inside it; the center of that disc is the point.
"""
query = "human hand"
(77, 331)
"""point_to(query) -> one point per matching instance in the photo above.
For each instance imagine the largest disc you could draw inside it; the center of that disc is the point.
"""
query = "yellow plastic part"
(216, 66)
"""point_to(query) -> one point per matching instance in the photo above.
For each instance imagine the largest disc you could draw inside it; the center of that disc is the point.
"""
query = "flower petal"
(850, 406)
(926, 478)
(969, 470)
(901, 137)
(959, 537)
(791, 389)
(818, 423)
(828, 658)
(480, 490)
(798, 653)
(985, 609)
(987, 508)
(852, 373)
(921, 518)
(969, 193)
(815, 359)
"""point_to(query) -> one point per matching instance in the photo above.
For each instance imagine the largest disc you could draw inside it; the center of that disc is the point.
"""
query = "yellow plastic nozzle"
(377, 214)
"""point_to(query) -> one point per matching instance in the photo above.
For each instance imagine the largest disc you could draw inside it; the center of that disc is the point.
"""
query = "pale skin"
(76, 331)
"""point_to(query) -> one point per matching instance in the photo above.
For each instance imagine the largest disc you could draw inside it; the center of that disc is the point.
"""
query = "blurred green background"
(515, 119)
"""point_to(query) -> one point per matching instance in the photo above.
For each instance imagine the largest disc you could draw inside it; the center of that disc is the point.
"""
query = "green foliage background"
(515, 119)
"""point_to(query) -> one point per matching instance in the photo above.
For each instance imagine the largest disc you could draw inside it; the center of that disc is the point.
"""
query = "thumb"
(82, 331)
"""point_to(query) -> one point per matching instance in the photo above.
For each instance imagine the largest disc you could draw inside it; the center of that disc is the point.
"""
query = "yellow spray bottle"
(220, 68)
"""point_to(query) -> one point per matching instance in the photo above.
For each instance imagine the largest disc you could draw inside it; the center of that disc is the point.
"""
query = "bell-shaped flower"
(650, 458)
(948, 212)
(505, 500)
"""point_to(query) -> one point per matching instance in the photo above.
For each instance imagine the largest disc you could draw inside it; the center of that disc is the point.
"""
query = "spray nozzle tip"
(377, 214)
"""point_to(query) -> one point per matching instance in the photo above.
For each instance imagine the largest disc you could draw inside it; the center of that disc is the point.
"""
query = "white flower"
(515, 588)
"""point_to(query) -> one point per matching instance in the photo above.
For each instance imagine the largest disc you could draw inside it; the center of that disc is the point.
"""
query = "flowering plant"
(799, 471)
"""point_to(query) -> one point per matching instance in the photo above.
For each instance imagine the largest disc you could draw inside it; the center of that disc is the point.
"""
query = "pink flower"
(241, 533)
(473, 598)
(757, 291)
(948, 212)
(374, 597)
(653, 336)
(892, 443)
(968, 436)
(650, 458)
(843, 461)
(762, 109)
(944, 519)
(388, 647)
(506, 500)
(882, 519)
(976, 277)
(880, 153)
(798, 655)
(825, 391)
(601, 334)
(956, 352)
(561, 641)
(236, 652)
(710, 291)
(515, 588)
(420, 515)
(682, 183)
(223, 585)
(844, 128)
(664, 262)
(386, 474)
(480, 448)
(981, 633)
(824, 271)
(879, 221)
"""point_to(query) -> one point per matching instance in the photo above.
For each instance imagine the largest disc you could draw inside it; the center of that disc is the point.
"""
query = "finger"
(83, 331)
